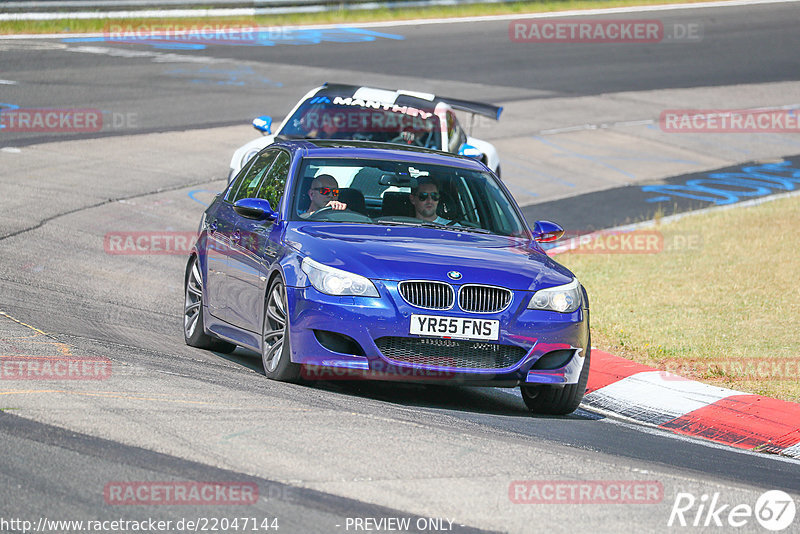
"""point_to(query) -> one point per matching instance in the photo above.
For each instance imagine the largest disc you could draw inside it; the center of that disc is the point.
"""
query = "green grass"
(340, 16)
(730, 300)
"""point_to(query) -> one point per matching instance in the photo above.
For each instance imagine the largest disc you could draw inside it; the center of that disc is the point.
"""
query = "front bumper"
(321, 324)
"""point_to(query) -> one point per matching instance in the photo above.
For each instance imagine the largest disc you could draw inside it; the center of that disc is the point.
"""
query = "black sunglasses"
(424, 196)
(327, 191)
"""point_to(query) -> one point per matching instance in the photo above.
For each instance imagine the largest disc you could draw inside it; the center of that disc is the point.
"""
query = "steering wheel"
(324, 208)
(328, 210)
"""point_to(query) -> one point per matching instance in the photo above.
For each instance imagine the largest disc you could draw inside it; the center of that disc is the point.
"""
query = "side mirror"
(546, 232)
(470, 151)
(255, 208)
(263, 124)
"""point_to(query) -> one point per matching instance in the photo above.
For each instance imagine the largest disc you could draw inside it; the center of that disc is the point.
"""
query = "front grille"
(428, 295)
(483, 299)
(450, 352)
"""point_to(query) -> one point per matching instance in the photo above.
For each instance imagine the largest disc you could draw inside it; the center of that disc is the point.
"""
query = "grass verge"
(340, 16)
(719, 303)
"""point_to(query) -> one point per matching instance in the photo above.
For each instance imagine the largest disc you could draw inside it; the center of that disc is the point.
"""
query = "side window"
(251, 180)
(236, 183)
(274, 183)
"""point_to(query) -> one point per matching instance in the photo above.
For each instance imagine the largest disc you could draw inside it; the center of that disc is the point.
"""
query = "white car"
(337, 111)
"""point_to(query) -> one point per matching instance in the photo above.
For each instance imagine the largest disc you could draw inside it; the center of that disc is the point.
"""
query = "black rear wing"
(479, 108)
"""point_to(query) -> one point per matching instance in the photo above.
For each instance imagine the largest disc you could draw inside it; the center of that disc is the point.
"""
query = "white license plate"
(455, 327)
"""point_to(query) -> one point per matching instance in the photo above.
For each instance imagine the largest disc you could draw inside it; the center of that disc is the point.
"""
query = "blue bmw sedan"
(346, 259)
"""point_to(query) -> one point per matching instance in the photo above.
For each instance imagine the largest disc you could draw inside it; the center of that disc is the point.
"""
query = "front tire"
(193, 330)
(276, 354)
(551, 400)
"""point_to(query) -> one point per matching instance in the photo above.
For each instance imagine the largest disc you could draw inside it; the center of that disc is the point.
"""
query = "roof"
(371, 149)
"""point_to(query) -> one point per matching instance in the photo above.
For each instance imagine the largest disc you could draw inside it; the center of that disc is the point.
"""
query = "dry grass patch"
(725, 310)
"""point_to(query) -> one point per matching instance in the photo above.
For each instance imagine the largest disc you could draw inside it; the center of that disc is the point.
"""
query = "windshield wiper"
(457, 228)
(469, 229)
(395, 223)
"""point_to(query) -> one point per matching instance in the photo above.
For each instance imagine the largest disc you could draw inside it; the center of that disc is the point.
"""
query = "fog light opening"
(553, 360)
(335, 342)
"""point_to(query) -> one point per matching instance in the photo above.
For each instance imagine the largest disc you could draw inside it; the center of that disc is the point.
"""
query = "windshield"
(400, 193)
(365, 120)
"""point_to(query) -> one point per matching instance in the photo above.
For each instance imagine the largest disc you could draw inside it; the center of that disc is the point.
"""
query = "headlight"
(564, 299)
(337, 282)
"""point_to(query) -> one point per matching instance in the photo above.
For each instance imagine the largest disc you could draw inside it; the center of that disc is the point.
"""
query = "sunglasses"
(424, 196)
(327, 191)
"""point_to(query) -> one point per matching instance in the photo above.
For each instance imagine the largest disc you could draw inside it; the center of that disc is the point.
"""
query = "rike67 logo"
(774, 510)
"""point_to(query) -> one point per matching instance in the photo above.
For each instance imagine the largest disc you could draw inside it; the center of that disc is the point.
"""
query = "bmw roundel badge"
(454, 275)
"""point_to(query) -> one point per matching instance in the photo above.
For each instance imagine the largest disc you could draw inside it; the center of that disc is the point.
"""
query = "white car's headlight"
(336, 281)
(564, 299)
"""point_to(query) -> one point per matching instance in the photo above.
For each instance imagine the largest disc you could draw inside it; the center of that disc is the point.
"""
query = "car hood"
(415, 253)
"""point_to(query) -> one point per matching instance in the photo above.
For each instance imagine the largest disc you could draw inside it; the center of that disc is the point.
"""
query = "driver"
(425, 199)
(323, 193)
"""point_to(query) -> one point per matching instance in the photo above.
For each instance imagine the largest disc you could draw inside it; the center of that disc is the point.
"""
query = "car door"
(222, 241)
(219, 227)
(254, 249)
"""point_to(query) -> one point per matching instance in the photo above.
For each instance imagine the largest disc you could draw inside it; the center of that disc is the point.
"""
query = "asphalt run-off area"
(113, 424)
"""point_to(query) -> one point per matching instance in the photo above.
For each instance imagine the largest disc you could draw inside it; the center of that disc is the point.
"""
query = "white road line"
(8, 82)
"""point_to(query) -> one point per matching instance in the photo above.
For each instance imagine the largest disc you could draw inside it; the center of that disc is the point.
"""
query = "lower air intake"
(450, 352)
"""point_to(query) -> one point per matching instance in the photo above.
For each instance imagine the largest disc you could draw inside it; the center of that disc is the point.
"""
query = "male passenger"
(425, 199)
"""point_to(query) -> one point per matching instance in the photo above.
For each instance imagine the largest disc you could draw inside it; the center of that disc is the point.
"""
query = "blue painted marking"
(191, 194)
(177, 46)
(7, 107)
(271, 37)
(723, 188)
(371, 33)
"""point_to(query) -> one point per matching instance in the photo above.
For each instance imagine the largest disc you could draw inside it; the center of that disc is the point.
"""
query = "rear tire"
(276, 353)
(193, 330)
(551, 400)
